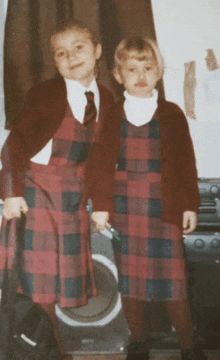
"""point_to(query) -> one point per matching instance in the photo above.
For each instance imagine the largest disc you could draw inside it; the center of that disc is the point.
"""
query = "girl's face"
(75, 55)
(138, 75)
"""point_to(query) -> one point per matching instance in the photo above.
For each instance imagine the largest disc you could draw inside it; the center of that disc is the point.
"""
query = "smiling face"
(138, 74)
(75, 55)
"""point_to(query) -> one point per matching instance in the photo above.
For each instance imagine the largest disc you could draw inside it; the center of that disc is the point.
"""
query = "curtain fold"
(27, 56)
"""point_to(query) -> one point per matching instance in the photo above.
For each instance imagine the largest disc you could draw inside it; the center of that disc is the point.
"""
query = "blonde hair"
(146, 49)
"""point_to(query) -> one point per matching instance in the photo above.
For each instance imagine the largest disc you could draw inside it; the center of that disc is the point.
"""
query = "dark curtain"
(27, 57)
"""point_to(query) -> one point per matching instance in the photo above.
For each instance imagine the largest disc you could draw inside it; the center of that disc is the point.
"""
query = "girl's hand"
(13, 207)
(100, 219)
(189, 221)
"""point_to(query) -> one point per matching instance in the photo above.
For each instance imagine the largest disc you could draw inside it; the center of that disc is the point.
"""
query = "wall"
(3, 133)
(185, 30)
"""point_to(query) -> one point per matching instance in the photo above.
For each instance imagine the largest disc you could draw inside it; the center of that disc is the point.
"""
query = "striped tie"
(90, 109)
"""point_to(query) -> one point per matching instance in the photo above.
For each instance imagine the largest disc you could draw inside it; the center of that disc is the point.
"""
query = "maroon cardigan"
(41, 116)
(179, 174)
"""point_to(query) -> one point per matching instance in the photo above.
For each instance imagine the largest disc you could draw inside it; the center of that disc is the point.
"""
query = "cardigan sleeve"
(186, 165)
(17, 151)
(44, 107)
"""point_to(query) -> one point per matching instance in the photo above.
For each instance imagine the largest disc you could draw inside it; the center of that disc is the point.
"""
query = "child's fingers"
(192, 226)
(100, 218)
(24, 207)
(10, 214)
(189, 221)
(13, 207)
(185, 220)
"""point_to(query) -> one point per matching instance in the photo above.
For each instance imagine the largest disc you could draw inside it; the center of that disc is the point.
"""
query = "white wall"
(3, 133)
(185, 30)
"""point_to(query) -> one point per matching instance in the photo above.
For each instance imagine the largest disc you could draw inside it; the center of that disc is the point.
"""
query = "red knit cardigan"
(178, 174)
(41, 116)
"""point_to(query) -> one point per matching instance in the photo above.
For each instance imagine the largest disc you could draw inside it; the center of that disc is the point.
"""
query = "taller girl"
(156, 195)
(67, 113)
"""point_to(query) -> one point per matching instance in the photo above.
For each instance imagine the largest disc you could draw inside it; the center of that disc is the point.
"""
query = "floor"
(158, 352)
(154, 355)
(166, 347)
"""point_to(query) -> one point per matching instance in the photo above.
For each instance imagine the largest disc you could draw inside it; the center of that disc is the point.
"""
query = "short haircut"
(69, 24)
(146, 49)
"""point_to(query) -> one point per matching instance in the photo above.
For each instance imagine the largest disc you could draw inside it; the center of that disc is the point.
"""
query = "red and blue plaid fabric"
(57, 256)
(149, 255)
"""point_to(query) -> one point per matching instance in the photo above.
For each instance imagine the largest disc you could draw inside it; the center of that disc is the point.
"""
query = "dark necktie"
(90, 109)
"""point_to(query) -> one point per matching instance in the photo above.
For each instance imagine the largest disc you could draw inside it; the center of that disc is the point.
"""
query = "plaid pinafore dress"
(57, 256)
(149, 256)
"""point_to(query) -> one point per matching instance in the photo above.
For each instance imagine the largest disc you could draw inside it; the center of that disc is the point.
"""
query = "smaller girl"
(155, 197)
(61, 118)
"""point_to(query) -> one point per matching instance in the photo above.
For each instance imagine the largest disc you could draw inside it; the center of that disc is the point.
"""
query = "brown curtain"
(27, 58)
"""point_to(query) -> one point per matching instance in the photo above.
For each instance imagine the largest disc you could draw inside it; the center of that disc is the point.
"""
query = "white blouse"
(139, 111)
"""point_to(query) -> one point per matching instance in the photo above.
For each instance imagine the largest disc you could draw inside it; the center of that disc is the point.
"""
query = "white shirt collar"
(139, 111)
(77, 99)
